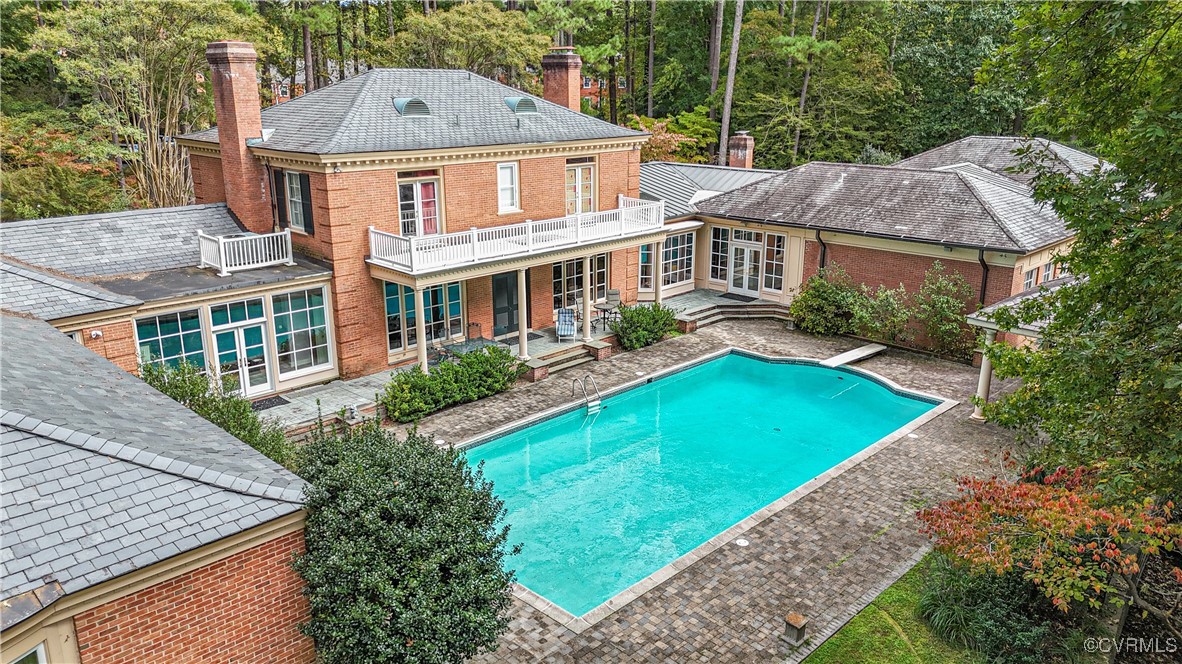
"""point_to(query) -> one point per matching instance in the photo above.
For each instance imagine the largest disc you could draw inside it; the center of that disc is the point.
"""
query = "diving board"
(855, 355)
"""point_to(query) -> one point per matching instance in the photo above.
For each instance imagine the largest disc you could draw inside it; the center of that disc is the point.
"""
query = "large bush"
(412, 395)
(884, 314)
(940, 310)
(827, 302)
(187, 384)
(405, 550)
(643, 325)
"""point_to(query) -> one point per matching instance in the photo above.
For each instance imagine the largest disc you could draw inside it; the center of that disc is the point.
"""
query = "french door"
(744, 268)
(418, 207)
(505, 304)
(580, 189)
(242, 359)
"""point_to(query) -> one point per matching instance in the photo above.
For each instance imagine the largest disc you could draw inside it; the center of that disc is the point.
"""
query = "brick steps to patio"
(567, 359)
(701, 317)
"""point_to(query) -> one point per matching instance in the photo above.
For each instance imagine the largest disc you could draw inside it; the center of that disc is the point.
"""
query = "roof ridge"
(989, 208)
(152, 461)
(19, 267)
(547, 101)
(987, 175)
(106, 215)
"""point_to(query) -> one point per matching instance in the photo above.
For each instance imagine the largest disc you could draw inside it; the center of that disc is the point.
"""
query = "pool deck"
(826, 555)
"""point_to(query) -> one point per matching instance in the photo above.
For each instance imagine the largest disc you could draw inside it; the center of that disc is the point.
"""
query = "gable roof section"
(678, 184)
(996, 153)
(1032, 224)
(103, 475)
(108, 244)
(358, 115)
(50, 297)
(934, 207)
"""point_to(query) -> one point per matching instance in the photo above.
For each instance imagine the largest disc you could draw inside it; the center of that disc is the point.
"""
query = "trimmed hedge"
(412, 395)
(643, 325)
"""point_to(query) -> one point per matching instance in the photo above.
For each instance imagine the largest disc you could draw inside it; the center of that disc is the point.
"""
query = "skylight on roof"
(411, 106)
(520, 105)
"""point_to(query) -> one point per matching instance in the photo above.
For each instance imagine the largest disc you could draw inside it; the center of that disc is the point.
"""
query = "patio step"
(565, 359)
(714, 313)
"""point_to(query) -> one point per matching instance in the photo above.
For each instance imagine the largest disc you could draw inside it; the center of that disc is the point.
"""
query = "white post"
(578, 228)
(223, 272)
(474, 240)
(287, 239)
(421, 328)
(588, 294)
(522, 317)
(658, 259)
(412, 254)
(529, 235)
(985, 377)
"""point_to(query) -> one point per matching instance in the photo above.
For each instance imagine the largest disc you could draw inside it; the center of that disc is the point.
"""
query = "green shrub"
(884, 315)
(405, 548)
(1004, 617)
(940, 310)
(187, 384)
(643, 325)
(827, 302)
(412, 395)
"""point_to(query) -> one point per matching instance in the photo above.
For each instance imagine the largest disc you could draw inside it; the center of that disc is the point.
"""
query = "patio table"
(469, 345)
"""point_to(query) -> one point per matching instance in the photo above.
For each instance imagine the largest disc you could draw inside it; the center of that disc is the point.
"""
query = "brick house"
(135, 530)
(966, 204)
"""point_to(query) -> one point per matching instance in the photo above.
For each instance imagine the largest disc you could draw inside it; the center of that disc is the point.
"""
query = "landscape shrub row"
(412, 395)
(643, 325)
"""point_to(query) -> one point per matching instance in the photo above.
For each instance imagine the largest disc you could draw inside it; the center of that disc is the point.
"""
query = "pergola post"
(522, 317)
(588, 294)
(658, 259)
(984, 379)
(421, 328)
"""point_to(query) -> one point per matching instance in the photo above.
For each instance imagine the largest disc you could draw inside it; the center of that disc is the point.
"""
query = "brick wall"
(209, 185)
(244, 608)
(117, 344)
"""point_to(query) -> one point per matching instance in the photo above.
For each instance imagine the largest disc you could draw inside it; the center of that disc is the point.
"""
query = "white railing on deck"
(433, 252)
(246, 252)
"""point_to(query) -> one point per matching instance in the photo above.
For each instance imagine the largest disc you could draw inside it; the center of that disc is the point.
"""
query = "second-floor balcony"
(429, 253)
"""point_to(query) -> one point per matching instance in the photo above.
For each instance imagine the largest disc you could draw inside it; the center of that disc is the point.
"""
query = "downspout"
(984, 275)
(824, 250)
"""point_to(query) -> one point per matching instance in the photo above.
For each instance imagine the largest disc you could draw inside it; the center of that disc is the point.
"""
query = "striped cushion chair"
(565, 329)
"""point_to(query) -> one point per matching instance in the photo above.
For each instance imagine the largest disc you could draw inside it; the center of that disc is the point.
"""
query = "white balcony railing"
(416, 255)
(245, 251)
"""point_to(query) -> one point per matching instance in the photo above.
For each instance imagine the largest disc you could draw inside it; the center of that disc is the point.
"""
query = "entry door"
(504, 289)
(242, 359)
(744, 270)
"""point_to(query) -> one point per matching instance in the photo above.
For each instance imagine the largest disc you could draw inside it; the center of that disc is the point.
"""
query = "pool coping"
(580, 624)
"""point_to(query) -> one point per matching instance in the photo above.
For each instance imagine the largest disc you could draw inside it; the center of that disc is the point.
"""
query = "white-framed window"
(1048, 272)
(646, 266)
(301, 330)
(284, 90)
(1061, 269)
(586, 82)
(232, 313)
(621, 82)
(580, 185)
(568, 281)
(773, 261)
(418, 206)
(719, 252)
(677, 262)
(507, 188)
(744, 235)
(34, 656)
(295, 201)
(171, 338)
(443, 305)
(1029, 279)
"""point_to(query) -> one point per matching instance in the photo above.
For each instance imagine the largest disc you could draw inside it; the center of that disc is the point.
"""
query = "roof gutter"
(824, 249)
(984, 276)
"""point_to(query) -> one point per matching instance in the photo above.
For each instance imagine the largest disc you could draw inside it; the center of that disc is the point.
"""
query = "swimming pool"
(600, 502)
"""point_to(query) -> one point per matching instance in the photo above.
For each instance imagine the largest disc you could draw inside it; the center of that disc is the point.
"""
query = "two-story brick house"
(443, 201)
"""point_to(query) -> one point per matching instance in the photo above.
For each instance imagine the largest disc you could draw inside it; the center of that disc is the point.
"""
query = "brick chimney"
(740, 150)
(562, 77)
(236, 100)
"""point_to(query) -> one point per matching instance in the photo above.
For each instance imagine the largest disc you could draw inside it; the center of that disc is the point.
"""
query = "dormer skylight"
(521, 105)
(411, 107)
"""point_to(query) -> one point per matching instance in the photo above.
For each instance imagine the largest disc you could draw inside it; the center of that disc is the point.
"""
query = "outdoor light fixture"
(96, 334)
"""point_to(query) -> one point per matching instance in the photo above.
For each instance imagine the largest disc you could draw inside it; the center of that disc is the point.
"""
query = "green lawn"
(889, 632)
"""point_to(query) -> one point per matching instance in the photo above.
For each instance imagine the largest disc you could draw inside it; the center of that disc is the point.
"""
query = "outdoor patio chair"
(565, 327)
(610, 309)
(579, 314)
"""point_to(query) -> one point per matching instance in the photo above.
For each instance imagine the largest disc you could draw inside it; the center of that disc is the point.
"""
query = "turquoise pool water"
(600, 502)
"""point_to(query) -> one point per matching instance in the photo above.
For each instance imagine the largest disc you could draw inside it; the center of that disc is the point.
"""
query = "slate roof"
(984, 316)
(951, 207)
(102, 475)
(50, 297)
(358, 115)
(678, 184)
(996, 153)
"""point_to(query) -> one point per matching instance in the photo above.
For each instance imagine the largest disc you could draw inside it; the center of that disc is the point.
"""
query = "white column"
(421, 328)
(658, 259)
(522, 317)
(588, 294)
(985, 377)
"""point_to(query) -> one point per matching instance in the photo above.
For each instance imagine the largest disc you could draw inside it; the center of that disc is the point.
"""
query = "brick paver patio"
(827, 555)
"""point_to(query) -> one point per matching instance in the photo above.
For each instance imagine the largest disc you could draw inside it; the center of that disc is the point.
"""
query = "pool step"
(594, 406)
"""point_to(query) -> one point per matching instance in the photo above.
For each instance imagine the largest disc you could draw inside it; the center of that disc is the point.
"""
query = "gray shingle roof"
(984, 316)
(1032, 224)
(98, 245)
(937, 207)
(358, 115)
(50, 297)
(678, 184)
(996, 153)
(102, 475)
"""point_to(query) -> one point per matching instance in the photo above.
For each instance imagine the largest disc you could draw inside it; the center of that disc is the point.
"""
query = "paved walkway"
(827, 555)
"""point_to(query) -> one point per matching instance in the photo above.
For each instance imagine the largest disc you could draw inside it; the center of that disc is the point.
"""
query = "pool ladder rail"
(593, 405)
